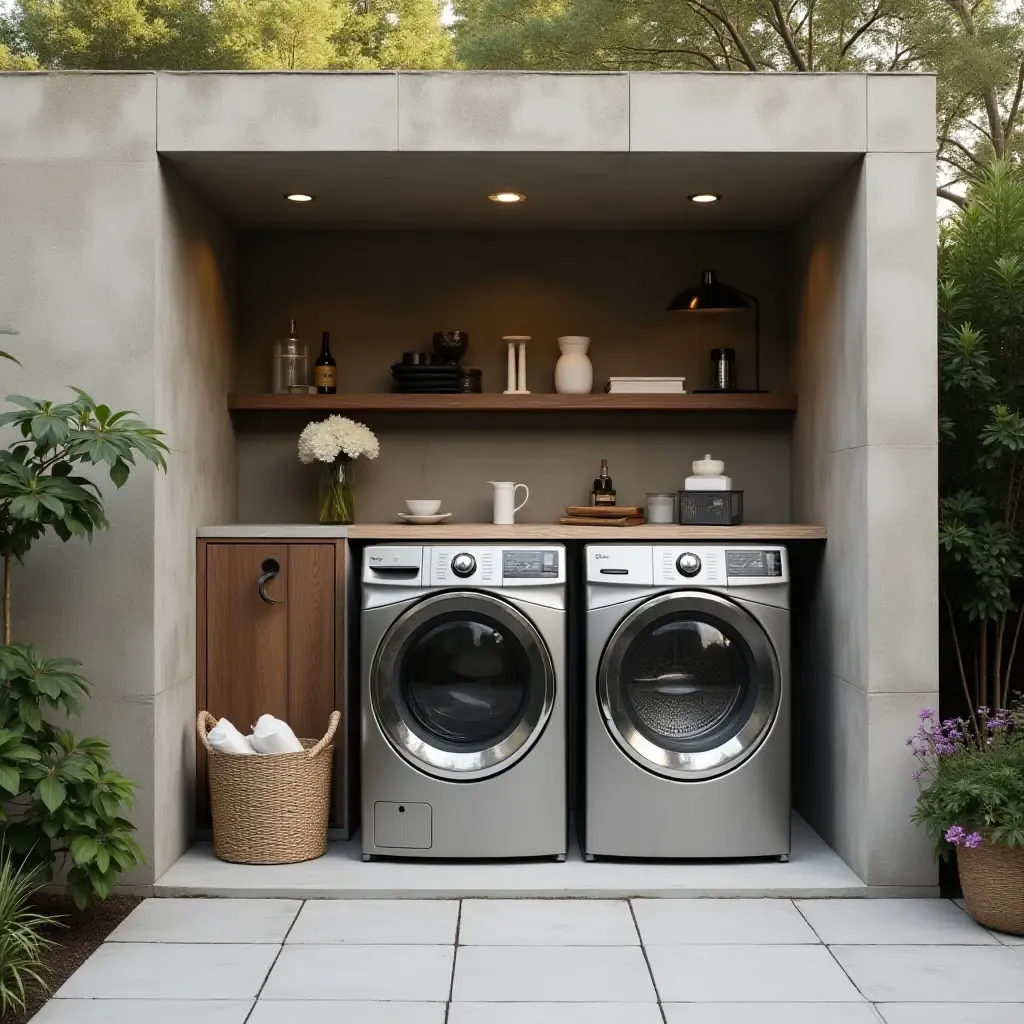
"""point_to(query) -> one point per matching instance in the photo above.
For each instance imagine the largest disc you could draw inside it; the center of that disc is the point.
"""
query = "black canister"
(723, 369)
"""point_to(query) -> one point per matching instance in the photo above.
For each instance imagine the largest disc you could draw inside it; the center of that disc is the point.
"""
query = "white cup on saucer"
(423, 507)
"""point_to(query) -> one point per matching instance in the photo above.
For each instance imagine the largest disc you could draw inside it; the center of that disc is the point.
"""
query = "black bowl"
(451, 345)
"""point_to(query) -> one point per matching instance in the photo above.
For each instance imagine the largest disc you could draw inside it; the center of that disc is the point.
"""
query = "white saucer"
(423, 520)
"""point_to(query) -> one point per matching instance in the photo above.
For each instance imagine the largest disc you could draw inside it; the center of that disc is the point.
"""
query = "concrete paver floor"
(550, 961)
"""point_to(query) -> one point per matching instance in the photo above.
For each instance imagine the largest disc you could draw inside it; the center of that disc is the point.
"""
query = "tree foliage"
(225, 34)
(977, 50)
(981, 374)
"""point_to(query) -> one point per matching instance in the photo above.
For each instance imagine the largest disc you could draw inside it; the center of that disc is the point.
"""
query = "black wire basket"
(710, 508)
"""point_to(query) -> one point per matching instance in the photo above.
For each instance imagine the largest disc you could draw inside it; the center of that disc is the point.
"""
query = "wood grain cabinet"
(271, 640)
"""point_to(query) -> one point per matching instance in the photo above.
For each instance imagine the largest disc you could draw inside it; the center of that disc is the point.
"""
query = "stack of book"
(645, 386)
(603, 515)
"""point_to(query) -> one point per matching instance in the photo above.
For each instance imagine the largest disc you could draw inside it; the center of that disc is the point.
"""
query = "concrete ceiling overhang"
(565, 191)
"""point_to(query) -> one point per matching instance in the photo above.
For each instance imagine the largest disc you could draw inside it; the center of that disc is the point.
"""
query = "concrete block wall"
(865, 465)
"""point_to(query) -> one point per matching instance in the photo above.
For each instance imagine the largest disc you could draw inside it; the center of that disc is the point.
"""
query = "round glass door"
(462, 685)
(689, 685)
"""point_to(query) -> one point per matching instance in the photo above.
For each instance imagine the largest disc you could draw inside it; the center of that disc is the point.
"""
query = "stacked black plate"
(427, 378)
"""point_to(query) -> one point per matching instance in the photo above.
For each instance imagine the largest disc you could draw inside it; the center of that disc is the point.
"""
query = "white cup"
(505, 507)
(422, 507)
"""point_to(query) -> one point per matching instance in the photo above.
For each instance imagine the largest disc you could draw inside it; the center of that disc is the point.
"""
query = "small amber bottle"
(604, 490)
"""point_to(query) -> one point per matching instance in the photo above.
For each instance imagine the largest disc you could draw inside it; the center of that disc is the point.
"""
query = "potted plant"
(334, 443)
(972, 801)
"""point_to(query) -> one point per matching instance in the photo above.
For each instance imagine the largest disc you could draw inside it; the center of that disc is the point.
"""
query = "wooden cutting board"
(602, 520)
(613, 511)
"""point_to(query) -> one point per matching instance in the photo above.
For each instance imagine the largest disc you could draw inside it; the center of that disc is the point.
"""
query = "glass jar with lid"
(290, 363)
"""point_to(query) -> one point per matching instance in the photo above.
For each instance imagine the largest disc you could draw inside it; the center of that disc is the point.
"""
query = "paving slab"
(152, 970)
(547, 923)
(190, 920)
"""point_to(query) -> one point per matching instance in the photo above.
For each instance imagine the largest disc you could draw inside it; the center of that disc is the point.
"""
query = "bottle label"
(325, 376)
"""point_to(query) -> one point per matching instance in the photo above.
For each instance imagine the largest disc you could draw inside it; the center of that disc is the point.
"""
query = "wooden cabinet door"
(246, 637)
(311, 638)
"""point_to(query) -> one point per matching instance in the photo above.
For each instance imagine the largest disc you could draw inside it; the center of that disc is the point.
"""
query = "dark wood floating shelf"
(388, 402)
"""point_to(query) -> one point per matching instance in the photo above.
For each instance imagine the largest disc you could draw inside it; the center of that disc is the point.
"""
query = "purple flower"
(973, 841)
(926, 713)
(916, 775)
(955, 835)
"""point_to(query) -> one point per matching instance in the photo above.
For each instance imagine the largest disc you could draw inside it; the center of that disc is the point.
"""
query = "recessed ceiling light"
(298, 197)
(704, 197)
(507, 197)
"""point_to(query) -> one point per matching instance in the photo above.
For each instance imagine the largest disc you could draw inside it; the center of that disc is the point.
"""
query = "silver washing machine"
(463, 700)
(687, 730)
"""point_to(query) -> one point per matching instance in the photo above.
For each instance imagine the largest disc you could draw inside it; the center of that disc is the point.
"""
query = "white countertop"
(273, 531)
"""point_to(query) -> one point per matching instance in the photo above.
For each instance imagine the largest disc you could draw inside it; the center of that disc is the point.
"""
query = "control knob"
(463, 564)
(688, 564)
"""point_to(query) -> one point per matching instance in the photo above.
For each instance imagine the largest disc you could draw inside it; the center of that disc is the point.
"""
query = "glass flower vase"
(337, 494)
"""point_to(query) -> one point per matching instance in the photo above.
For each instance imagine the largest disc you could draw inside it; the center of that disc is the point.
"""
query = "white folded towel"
(226, 739)
(272, 736)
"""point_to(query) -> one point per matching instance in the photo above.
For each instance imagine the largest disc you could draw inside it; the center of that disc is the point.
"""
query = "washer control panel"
(686, 565)
(495, 565)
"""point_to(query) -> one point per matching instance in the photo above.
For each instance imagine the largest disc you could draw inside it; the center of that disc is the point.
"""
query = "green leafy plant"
(972, 780)
(65, 803)
(22, 944)
(981, 453)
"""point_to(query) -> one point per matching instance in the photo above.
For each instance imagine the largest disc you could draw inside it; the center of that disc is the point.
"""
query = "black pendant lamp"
(714, 296)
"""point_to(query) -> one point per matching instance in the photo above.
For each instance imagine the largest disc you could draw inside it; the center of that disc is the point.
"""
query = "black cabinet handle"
(270, 569)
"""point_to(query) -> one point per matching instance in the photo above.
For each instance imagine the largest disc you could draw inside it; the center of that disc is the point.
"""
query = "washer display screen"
(529, 565)
(754, 563)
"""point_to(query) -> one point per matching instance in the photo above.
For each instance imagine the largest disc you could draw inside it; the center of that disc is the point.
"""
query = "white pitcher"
(505, 507)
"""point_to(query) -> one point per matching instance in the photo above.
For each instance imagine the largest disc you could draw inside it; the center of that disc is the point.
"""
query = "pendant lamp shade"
(710, 295)
(713, 296)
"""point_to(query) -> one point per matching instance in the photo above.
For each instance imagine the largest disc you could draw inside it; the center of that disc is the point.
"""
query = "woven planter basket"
(270, 808)
(992, 878)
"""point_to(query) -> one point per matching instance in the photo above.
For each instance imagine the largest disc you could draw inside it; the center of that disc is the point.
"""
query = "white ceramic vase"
(574, 374)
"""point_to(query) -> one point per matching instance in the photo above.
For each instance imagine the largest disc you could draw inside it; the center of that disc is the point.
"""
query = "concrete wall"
(194, 370)
(120, 281)
(380, 293)
(865, 465)
(78, 193)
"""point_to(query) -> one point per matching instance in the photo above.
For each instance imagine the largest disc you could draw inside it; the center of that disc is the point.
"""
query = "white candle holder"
(516, 372)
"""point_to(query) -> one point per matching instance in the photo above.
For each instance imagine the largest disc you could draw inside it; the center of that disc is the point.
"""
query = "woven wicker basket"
(270, 808)
(992, 878)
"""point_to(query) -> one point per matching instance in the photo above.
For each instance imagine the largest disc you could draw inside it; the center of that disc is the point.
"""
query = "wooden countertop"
(555, 531)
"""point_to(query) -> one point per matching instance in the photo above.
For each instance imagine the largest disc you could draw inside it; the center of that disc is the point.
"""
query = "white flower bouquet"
(334, 443)
(337, 436)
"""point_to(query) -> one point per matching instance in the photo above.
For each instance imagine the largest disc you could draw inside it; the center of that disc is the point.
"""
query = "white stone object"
(708, 466)
(574, 373)
(521, 387)
(510, 380)
(708, 483)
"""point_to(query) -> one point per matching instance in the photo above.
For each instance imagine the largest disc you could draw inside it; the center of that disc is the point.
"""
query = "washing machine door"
(689, 685)
(462, 685)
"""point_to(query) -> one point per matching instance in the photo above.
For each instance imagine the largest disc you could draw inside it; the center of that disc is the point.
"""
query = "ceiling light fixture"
(298, 197)
(704, 197)
(507, 197)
